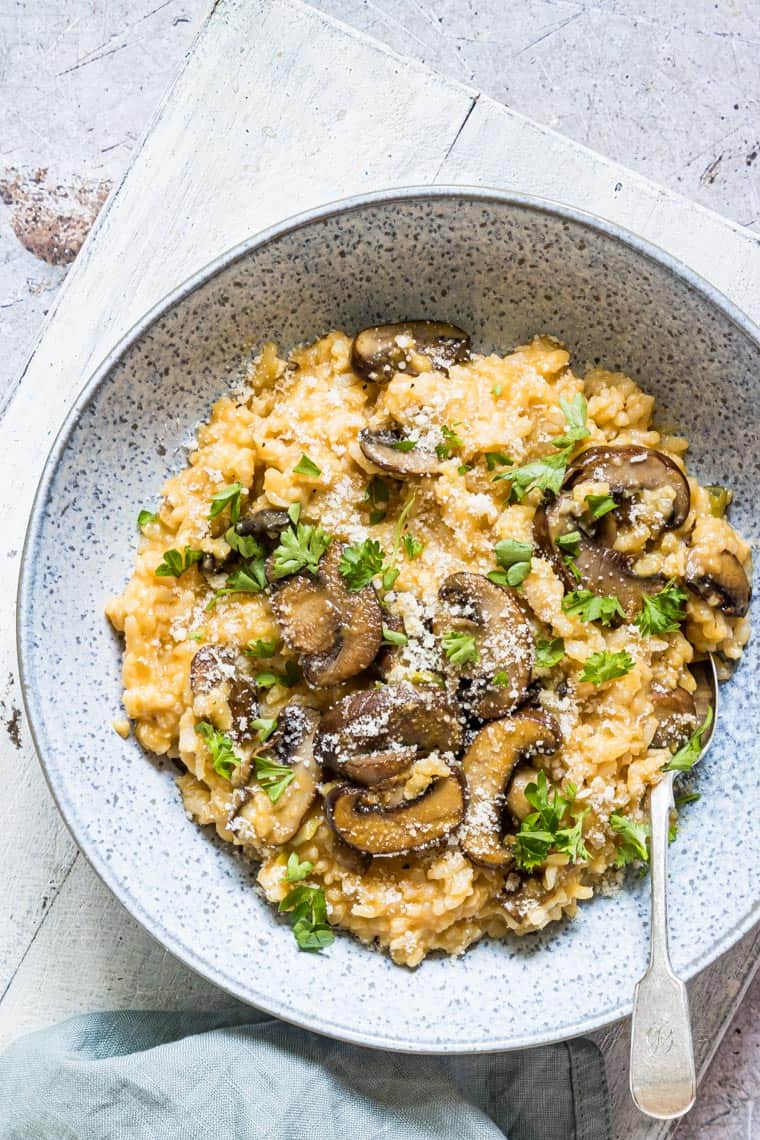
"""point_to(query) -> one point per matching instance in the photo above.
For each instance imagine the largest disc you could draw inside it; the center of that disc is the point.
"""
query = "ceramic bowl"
(503, 267)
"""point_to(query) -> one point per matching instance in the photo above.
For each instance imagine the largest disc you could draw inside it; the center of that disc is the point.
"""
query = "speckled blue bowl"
(503, 267)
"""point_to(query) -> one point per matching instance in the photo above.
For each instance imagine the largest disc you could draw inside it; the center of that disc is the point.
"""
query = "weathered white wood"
(278, 109)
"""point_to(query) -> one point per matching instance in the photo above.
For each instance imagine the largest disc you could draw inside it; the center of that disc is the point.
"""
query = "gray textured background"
(671, 89)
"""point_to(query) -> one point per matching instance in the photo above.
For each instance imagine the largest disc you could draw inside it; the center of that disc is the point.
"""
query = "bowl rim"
(121, 889)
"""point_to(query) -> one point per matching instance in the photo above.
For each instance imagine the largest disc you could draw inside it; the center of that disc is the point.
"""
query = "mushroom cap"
(378, 448)
(676, 715)
(488, 765)
(266, 523)
(374, 735)
(381, 350)
(223, 674)
(495, 618)
(629, 470)
(719, 579)
(336, 631)
(379, 823)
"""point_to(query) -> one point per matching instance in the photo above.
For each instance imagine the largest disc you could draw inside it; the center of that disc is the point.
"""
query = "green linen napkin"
(245, 1076)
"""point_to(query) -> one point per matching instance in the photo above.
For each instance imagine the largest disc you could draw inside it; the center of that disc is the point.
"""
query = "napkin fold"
(182, 1076)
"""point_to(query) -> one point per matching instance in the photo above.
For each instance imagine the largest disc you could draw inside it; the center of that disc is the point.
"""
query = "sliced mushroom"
(378, 447)
(266, 524)
(336, 631)
(488, 765)
(378, 823)
(291, 746)
(676, 716)
(494, 618)
(720, 579)
(373, 736)
(380, 351)
(594, 565)
(222, 678)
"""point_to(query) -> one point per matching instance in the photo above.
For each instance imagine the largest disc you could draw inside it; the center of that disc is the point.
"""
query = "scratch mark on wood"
(711, 171)
(93, 59)
(453, 142)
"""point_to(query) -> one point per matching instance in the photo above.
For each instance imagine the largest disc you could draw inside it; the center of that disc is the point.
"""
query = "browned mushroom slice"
(380, 351)
(265, 524)
(222, 675)
(492, 615)
(488, 765)
(378, 823)
(676, 716)
(597, 567)
(372, 736)
(720, 579)
(380, 447)
(630, 470)
(291, 746)
(337, 632)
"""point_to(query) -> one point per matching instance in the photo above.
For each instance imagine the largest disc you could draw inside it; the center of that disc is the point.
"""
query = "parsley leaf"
(243, 544)
(460, 648)
(145, 518)
(390, 573)
(496, 459)
(296, 869)
(635, 836)
(176, 563)
(542, 831)
(261, 648)
(377, 495)
(600, 505)
(222, 750)
(576, 414)
(360, 562)
(266, 680)
(687, 798)
(720, 499)
(688, 754)
(250, 578)
(273, 777)
(404, 444)
(541, 474)
(549, 653)
(500, 679)
(294, 512)
(515, 558)
(228, 496)
(412, 546)
(662, 612)
(307, 908)
(393, 637)
(264, 726)
(569, 542)
(299, 548)
(306, 466)
(606, 666)
(452, 441)
(592, 607)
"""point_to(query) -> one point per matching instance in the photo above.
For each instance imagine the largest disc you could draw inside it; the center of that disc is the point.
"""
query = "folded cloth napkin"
(161, 1076)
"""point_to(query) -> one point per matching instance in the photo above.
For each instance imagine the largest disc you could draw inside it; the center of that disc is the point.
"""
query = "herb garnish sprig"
(554, 825)
(547, 473)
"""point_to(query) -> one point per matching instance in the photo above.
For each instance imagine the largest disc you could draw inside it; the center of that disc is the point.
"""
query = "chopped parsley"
(377, 495)
(514, 558)
(687, 798)
(222, 750)
(606, 666)
(390, 573)
(227, 497)
(250, 578)
(575, 412)
(720, 499)
(569, 542)
(360, 563)
(394, 637)
(464, 468)
(500, 679)
(145, 518)
(547, 473)
(262, 648)
(289, 678)
(307, 909)
(243, 544)
(460, 648)
(452, 441)
(404, 444)
(306, 466)
(294, 512)
(176, 563)
(662, 612)
(264, 726)
(588, 606)
(688, 754)
(412, 546)
(549, 652)
(300, 547)
(542, 831)
(600, 505)
(273, 777)
(634, 846)
(296, 870)
(497, 390)
(496, 459)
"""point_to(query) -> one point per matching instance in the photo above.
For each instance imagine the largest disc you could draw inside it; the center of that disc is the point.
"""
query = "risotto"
(416, 625)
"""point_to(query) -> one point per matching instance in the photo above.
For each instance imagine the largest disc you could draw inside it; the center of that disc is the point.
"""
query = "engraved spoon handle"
(663, 1080)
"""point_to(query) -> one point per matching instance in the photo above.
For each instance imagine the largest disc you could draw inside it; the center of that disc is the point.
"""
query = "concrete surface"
(670, 89)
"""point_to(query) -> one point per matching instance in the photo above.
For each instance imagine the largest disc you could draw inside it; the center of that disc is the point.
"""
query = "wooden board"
(278, 108)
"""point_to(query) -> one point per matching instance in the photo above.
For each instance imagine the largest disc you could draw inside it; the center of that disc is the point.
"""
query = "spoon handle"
(663, 1081)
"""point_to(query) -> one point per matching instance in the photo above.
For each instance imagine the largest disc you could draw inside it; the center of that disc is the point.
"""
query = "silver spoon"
(662, 1075)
